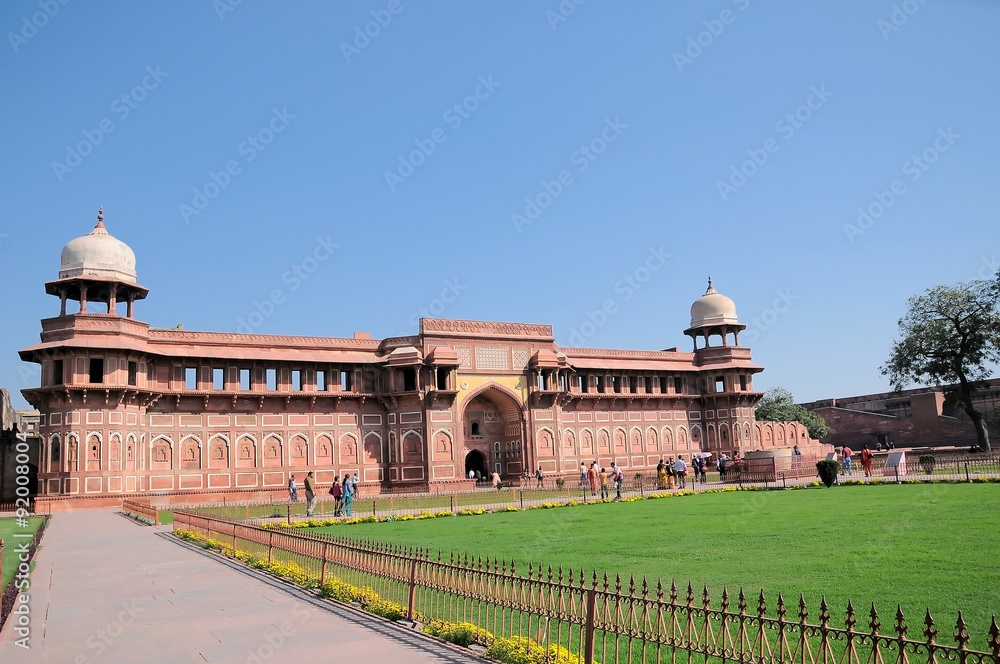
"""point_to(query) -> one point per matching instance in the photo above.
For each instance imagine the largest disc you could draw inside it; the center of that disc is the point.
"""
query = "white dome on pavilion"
(98, 254)
(713, 308)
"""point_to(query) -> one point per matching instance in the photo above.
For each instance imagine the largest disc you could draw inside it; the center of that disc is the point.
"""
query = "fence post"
(521, 493)
(452, 502)
(270, 546)
(413, 590)
(896, 470)
(642, 488)
(591, 631)
(967, 477)
(289, 514)
(322, 573)
(374, 507)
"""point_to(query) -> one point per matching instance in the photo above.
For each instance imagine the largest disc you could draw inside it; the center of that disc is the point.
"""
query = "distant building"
(127, 408)
(910, 418)
(19, 450)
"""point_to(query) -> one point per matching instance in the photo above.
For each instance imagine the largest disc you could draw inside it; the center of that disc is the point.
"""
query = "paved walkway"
(106, 589)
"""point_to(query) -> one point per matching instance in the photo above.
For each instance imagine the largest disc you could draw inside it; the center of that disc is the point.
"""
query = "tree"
(778, 405)
(949, 337)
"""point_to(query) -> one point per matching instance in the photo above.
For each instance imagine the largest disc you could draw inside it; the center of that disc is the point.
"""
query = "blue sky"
(529, 162)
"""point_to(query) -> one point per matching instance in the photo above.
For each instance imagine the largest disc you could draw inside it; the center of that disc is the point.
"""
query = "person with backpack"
(293, 490)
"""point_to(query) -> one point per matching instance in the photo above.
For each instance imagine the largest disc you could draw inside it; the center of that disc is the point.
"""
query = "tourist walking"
(703, 469)
(310, 485)
(583, 474)
(866, 461)
(846, 463)
(592, 478)
(604, 484)
(337, 491)
(348, 495)
(355, 483)
(495, 478)
(680, 471)
(619, 477)
(293, 490)
(539, 477)
(661, 475)
(722, 467)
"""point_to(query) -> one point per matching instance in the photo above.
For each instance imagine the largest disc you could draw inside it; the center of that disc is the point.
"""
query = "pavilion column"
(113, 298)
(130, 299)
(83, 299)
(62, 303)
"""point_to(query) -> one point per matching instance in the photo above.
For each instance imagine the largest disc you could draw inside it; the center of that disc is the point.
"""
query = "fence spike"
(605, 581)
(929, 630)
(673, 591)
(631, 585)
(594, 582)
(900, 626)
(824, 611)
(741, 604)
(873, 621)
(995, 639)
(803, 610)
(645, 588)
(850, 621)
(761, 604)
(781, 607)
(961, 634)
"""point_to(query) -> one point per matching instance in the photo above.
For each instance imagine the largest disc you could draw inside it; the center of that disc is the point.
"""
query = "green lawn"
(8, 526)
(924, 546)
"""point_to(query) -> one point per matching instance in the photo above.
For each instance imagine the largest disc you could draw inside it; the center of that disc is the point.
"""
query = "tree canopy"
(778, 405)
(950, 337)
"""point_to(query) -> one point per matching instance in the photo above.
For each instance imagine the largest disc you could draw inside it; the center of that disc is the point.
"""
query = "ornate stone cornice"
(265, 340)
(473, 328)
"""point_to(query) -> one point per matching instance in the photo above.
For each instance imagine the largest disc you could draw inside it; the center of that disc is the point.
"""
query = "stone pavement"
(106, 589)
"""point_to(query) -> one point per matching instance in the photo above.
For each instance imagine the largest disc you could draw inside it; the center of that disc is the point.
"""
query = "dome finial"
(711, 288)
(100, 217)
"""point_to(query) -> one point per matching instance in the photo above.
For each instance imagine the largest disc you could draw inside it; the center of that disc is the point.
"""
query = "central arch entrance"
(475, 462)
(493, 428)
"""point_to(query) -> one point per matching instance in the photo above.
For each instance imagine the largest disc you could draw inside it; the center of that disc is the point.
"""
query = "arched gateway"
(493, 426)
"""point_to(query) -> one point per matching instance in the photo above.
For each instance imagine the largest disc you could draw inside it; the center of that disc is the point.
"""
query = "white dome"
(713, 308)
(98, 254)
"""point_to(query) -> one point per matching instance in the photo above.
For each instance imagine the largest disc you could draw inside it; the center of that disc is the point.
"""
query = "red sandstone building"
(126, 408)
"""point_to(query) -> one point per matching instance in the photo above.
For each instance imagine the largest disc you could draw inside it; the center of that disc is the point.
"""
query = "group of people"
(673, 473)
(343, 491)
(597, 479)
(846, 456)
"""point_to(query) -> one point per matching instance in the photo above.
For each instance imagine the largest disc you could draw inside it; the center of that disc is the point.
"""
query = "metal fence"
(13, 588)
(600, 619)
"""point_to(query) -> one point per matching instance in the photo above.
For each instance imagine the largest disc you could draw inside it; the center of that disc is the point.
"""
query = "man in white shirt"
(680, 470)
